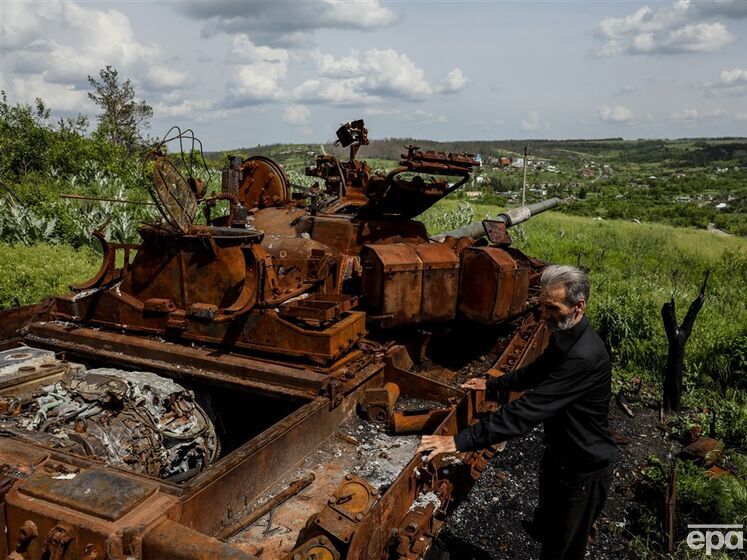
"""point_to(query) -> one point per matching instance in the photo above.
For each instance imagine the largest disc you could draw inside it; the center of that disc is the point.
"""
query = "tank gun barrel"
(509, 217)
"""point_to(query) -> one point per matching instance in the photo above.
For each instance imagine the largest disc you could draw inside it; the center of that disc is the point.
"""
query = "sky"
(246, 73)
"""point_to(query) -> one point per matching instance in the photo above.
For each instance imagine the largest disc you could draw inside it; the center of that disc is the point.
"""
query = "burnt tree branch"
(677, 336)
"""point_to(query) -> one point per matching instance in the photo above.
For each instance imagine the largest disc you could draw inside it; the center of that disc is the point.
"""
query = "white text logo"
(715, 537)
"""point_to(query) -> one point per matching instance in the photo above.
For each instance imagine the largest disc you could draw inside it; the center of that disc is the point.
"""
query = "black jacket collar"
(565, 339)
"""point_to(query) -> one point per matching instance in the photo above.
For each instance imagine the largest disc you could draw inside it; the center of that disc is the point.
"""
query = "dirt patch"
(487, 525)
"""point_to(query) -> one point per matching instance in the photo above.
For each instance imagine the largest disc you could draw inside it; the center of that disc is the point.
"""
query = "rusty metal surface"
(23, 370)
(15, 319)
(496, 232)
(357, 480)
(377, 403)
(440, 282)
(221, 495)
(173, 541)
(262, 183)
(407, 284)
(82, 515)
(290, 319)
(493, 287)
(95, 491)
(293, 488)
(226, 367)
(528, 342)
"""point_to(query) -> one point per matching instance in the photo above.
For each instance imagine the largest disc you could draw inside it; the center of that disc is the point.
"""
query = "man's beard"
(565, 324)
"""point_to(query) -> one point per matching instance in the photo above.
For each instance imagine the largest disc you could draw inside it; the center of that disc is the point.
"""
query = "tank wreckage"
(253, 383)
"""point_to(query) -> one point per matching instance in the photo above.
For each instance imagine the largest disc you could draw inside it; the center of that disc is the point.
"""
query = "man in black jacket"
(569, 391)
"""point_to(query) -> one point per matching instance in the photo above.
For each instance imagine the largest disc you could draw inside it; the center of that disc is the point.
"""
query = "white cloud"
(734, 76)
(200, 110)
(362, 78)
(72, 45)
(343, 67)
(286, 23)
(56, 45)
(298, 115)
(334, 92)
(243, 50)
(361, 15)
(62, 97)
(252, 85)
(671, 30)
(260, 70)
(534, 122)
(391, 74)
(455, 81)
(698, 37)
(615, 114)
(732, 82)
(18, 28)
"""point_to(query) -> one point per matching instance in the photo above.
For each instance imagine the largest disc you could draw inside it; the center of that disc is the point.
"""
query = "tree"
(24, 138)
(123, 116)
(677, 338)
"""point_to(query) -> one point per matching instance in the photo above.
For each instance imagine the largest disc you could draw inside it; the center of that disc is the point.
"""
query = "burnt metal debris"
(240, 384)
(137, 420)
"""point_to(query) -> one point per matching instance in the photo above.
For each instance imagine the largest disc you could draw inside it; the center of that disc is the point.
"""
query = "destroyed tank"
(255, 385)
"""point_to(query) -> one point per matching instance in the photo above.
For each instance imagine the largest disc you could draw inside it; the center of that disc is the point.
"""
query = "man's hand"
(475, 384)
(436, 445)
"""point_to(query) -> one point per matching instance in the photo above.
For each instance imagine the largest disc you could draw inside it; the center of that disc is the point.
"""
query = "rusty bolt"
(297, 556)
(29, 531)
(358, 516)
(374, 491)
(27, 534)
(322, 540)
(332, 500)
(348, 476)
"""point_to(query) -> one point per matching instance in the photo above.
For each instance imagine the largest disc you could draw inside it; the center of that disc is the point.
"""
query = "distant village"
(590, 172)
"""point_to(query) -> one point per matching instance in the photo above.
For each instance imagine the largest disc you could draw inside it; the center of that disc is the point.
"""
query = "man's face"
(555, 312)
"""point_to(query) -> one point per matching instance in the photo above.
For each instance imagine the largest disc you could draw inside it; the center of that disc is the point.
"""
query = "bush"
(634, 270)
(437, 220)
(30, 274)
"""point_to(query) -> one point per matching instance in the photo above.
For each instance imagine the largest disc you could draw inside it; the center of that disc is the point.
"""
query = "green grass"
(30, 274)
(635, 269)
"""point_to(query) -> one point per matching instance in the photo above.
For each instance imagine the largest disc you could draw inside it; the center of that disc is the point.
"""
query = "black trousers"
(569, 503)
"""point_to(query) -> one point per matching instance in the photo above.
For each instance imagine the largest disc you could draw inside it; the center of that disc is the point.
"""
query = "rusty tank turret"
(253, 383)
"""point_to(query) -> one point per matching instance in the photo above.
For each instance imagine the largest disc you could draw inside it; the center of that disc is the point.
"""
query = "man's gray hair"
(574, 280)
